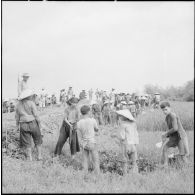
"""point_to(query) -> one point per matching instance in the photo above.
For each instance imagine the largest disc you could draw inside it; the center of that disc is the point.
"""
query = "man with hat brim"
(156, 100)
(70, 93)
(106, 102)
(106, 111)
(83, 95)
(22, 85)
(112, 97)
(42, 99)
(96, 111)
(129, 138)
(90, 93)
(28, 122)
(124, 105)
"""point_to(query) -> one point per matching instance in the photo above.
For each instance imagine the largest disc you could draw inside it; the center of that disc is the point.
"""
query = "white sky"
(124, 45)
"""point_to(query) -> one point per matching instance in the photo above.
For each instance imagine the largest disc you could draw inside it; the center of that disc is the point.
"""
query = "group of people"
(79, 127)
(8, 106)
(82, 118)
(104, 105)
(108, 102)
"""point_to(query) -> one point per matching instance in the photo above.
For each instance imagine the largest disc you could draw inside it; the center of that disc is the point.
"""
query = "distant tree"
(182, 93)
(188, 91)
(151, 89)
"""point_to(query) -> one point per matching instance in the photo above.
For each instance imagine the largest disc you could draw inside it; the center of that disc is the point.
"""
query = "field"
(66, 176)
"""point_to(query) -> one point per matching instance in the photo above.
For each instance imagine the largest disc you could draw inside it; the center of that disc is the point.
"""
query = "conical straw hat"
(126, 113)
(26, 93)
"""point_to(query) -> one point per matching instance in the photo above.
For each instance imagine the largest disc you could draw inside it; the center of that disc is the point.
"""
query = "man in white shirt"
(70, 93)
(90, 92)
(22, 85)
(42, 99)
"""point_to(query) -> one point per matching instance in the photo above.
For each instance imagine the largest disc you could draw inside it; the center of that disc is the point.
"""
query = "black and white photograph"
(97, 97)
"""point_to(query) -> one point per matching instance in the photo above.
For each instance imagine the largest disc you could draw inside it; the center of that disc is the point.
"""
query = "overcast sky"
(124, 45)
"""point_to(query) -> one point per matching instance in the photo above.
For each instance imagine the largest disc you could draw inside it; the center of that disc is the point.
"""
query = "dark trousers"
(64, 134)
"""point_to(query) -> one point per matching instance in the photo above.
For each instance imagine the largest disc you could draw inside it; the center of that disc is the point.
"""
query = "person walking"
(23, 84)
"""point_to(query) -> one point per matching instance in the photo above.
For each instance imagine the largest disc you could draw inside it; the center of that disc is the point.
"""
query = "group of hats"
(73, 100)
(125, 103)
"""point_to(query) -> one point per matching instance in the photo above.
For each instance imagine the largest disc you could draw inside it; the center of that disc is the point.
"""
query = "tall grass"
(154, 119)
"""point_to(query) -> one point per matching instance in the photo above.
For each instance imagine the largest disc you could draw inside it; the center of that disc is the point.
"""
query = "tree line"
(181, 93)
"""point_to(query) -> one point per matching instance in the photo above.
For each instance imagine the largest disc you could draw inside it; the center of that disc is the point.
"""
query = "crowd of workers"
(82, 117)
(104, 102)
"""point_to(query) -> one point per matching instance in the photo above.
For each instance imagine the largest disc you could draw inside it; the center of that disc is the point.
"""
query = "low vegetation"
(66, 175)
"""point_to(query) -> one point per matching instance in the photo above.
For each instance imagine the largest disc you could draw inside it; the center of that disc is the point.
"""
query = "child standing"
(86, 131)
(69, 129)
(128, 137)
(106, 113)
(176, 134)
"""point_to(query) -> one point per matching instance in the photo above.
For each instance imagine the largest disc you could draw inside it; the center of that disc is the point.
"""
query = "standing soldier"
(112, 98)
(97, 95)
(156, 100)
(132, 108)
(83, 95)
(90, 92)
(70, 93)
(96, 111)
(42, 99)
(142, 102)
(22, 85)
(106, 113)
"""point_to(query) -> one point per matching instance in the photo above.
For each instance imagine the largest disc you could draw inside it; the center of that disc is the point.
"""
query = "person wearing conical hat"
(22, 85)
(70, 93)
(128, 136)
(28, 122)
(90, 92)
